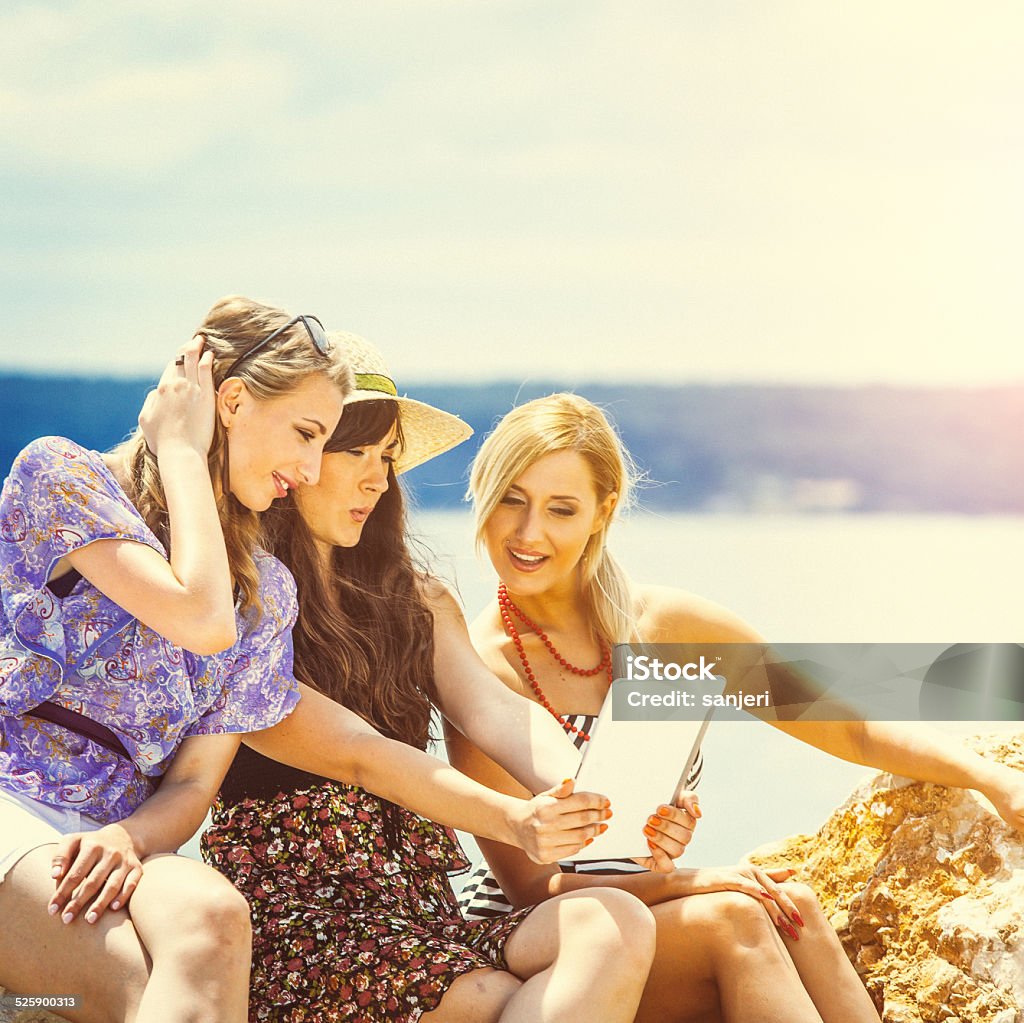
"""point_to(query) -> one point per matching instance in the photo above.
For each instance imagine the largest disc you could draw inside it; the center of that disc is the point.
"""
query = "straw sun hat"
(427, 430)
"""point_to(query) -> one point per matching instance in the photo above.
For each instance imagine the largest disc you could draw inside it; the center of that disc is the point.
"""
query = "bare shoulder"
(666, 614)
(438, 596)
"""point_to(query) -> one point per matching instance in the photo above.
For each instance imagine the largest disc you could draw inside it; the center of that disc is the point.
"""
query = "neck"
(559, 609)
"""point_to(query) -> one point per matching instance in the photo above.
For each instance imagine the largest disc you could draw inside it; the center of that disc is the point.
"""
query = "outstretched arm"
(917, 751)
(912, 750)
(517, 733)
(325, 738)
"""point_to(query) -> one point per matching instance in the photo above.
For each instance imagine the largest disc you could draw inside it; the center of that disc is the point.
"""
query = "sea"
(820, 578)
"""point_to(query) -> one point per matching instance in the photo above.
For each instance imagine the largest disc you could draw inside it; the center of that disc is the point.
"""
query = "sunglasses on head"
(314, 328)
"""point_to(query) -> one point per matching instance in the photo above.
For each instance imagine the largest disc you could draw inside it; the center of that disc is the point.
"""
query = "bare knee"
(731, 921)
(212, 921)
(804, 898)
(618, 924)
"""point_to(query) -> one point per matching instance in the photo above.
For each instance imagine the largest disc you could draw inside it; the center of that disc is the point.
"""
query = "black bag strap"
(75, 722)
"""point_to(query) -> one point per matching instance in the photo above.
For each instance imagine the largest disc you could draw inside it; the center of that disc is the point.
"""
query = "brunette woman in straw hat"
(354, 917)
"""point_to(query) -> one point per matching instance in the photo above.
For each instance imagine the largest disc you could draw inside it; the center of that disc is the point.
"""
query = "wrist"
(177, 451)
(133, 838)
(679, 882)
(511, 813)
(992, 779)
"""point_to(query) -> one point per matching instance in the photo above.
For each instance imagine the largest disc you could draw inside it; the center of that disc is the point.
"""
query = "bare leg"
(583, 955)
(824, 969)
(104, 963)
(196, 928)
(477, 997)
(719, 959)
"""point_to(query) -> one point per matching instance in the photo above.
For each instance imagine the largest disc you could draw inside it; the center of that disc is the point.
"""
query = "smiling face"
(275, 445)
(351, 484)
(539, 529)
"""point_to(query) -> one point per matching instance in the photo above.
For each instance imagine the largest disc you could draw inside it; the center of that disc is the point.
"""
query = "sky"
(596, 190)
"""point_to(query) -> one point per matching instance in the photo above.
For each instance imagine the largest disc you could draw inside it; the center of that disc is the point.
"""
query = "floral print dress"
(354, 918)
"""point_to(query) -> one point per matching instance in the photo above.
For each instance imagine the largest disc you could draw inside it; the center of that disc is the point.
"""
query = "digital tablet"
(638, 765)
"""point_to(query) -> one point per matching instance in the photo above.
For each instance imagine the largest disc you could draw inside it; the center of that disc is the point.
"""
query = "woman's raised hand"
(669, 830)
(94, 870)
(559, 822)
(182, 406)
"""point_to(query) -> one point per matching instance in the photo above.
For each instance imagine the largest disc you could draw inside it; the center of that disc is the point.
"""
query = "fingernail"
(607, 814)
(767, 895)
(663, 811)
(115, 905)
(566, 780)
(653, 821)
(649, 832)
(651, 845)
(52, 909)
(91, 918)
(607, 803)
(796, 917)
(602, 829)
(792, 931)
(68, 917)
(588, 841)
(55, 872)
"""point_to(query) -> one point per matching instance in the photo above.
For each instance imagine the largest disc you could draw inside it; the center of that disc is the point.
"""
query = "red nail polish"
(792, 932)
(767, 895)
(796, 917)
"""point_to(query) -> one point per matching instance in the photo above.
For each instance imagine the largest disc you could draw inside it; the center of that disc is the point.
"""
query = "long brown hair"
(231, 328)
(364, 635)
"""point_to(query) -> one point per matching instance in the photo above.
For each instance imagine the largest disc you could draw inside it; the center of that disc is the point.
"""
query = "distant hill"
(704, 447)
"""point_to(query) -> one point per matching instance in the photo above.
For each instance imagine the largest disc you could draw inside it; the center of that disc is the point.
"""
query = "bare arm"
(917, 751)
(325, 738)
(187, 600)
(912, 750)
(97, 869)
(516, 732)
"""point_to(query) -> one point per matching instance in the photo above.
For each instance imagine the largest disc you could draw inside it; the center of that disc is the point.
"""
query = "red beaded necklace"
(508, 608)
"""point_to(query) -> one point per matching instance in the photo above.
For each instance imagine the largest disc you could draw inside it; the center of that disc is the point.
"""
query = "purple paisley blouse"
(90, 655)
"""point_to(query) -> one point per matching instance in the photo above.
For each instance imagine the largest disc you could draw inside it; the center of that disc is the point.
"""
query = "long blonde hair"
(565, 422)
(231, 328)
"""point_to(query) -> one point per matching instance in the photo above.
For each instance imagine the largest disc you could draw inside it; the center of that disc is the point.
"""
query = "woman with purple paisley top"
(141, 632)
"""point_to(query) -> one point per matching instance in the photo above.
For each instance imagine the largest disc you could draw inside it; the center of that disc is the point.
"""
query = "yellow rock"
(925, 887)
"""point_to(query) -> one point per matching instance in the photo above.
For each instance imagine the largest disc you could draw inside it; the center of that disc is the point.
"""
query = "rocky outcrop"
(925, 886)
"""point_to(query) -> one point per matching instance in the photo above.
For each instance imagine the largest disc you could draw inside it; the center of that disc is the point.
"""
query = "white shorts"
(26, 824)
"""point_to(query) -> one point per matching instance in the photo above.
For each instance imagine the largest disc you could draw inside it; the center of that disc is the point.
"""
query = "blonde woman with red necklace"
(546, 486)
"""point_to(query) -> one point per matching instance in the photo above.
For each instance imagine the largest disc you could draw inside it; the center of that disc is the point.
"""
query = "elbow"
(209, 636)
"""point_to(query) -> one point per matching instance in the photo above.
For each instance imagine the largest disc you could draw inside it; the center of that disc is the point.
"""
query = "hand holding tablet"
(639, 766)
